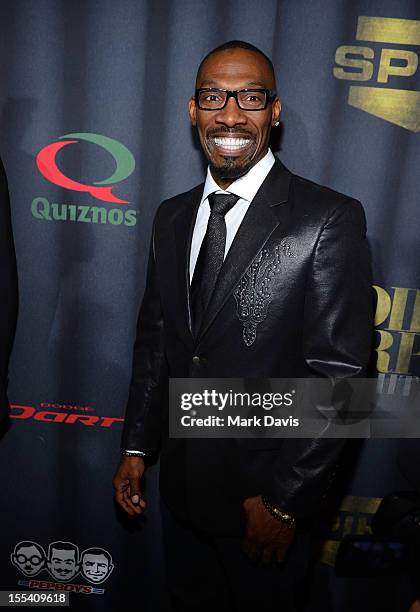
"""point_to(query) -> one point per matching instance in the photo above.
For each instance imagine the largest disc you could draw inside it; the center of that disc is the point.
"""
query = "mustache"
(223, 130)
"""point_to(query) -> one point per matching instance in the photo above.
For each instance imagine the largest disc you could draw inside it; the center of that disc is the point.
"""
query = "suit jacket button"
(196, 360)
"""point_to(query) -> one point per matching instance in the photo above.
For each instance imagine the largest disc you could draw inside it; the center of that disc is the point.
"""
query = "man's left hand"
(265, 536)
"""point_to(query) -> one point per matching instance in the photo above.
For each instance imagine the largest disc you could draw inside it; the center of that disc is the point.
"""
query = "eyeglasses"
(34, 559)
(247, 99)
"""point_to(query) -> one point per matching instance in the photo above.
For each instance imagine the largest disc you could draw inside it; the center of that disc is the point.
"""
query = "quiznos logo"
(103, 190)
(384, 64)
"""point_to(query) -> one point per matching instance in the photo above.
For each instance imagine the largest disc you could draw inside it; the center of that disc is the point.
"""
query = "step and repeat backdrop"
(94, 133)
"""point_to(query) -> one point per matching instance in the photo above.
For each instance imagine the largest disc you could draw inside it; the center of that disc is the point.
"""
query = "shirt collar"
(245, 186)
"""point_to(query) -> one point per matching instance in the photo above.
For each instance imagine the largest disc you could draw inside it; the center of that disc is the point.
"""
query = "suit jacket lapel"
(183, 226)
(261, 219)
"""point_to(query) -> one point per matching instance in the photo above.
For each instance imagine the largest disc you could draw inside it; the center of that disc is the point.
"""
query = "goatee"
(229, 170)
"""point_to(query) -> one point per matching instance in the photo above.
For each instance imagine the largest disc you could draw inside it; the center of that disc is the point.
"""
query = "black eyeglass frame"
(270, 94)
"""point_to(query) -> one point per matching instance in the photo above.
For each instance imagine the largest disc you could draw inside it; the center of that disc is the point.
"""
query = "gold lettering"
(383, 306)
(386, 68)
(365, 66)
(348, 525)
(388, 30)
(336, 523)
(399, 106)
(399, 303)
(405, 352)
(386, 341)
(415, 319)
(362, 525)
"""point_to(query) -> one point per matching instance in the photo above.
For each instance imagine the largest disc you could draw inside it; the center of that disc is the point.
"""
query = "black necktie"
(211, 255)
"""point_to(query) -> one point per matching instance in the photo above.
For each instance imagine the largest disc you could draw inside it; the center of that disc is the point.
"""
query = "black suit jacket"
(317, 320)
(8, 290)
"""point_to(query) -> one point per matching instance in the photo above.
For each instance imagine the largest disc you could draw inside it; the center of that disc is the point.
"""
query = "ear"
(192, 109)
(275, 110)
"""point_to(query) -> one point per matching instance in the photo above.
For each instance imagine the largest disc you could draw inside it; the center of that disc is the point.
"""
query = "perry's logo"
(357, 63)
(102, 190)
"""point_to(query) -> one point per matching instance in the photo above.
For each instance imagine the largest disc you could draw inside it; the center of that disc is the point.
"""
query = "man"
(230, 507)
(63, 560)
(8, 291)
(96, 564)
(29, 557)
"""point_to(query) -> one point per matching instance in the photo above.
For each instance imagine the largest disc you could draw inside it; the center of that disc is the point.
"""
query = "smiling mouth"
(230, 144)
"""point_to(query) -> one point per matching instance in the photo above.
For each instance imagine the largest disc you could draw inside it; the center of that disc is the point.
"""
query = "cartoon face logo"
(96, 564)
(28, 557)
(124, 160)
(62, 562)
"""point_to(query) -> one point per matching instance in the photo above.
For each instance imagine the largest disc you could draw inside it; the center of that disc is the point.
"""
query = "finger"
(136, 498)
(133, 509)
(128, 501)
(119, 497)
(281, 553)
(122, 495)
(134, 487)
(251, 549)
(254, 554)
(245, 546)
(127, 508)
(267, 554)
(117, 481)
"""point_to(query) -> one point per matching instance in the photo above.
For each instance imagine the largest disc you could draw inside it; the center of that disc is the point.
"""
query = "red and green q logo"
(102, 190)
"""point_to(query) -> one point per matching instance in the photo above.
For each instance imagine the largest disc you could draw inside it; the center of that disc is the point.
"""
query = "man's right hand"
(127, 485)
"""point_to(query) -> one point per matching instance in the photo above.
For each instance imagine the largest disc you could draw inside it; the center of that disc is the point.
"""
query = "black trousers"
(208, 572)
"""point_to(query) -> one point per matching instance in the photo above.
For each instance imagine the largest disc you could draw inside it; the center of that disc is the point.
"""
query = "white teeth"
(231, 143)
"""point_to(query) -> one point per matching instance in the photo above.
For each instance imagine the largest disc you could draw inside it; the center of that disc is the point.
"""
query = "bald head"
(227, 49)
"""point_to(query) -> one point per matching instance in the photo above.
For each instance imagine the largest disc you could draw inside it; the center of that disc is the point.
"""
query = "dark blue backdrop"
(125, 69)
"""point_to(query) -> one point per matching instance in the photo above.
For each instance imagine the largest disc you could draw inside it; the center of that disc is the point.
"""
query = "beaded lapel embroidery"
(253, 293)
